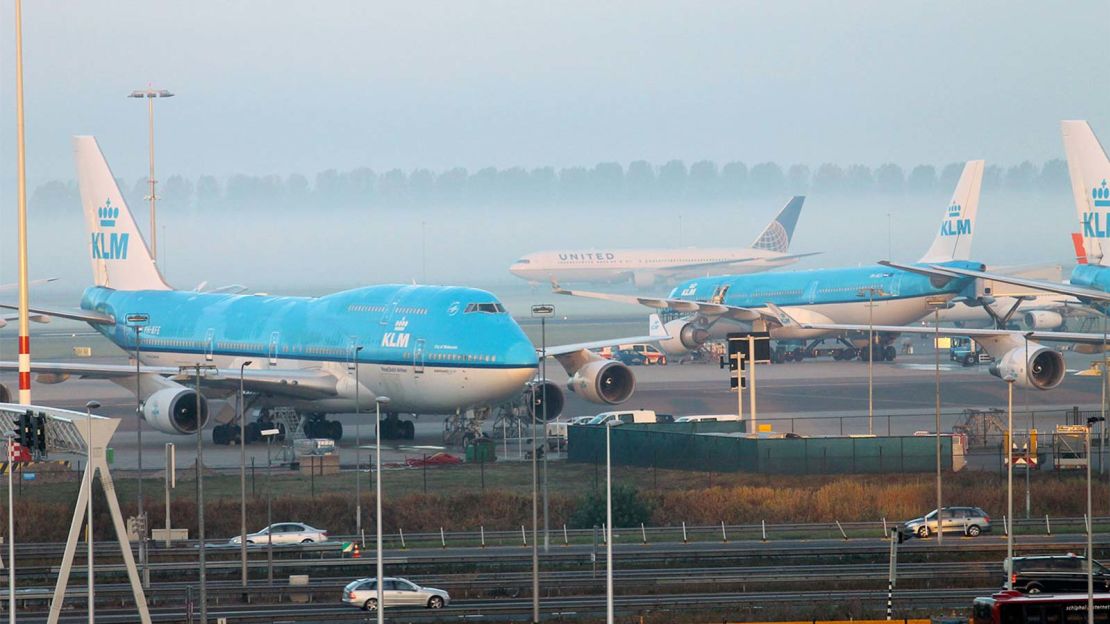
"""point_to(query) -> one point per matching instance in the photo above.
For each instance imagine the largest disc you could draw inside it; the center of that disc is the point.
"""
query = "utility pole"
(150, 94)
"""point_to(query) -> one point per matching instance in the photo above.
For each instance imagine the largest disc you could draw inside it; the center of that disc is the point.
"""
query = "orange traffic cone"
(355, 554)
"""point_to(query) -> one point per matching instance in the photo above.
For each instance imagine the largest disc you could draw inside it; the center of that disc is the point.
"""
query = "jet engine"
(603, 381)
(553, 394)
(174, 410)
(1043, 319)
(684, 337)
(1043, 370)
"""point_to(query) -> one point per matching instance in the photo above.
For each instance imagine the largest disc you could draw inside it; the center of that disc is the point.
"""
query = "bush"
(629, 510)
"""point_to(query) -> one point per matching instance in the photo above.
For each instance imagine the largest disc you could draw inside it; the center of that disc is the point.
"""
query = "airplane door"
(895, 284)
(719, 294)
(209, 338)
(418, 357)
(810, 294)
(274, 348)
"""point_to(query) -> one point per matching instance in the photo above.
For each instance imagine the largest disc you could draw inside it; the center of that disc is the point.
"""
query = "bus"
(1013, 607)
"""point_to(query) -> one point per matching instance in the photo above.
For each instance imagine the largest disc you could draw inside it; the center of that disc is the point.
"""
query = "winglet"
(656, 328)
(558, 290)
(782, 316)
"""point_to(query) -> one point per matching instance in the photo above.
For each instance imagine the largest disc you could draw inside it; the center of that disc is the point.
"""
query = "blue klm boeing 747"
(430, 349)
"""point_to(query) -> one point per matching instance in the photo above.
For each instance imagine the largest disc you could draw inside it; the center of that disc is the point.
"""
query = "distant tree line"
(639, 182)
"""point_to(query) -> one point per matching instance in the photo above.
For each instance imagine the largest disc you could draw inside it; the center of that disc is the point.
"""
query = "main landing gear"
(286, 420)
(393, 428)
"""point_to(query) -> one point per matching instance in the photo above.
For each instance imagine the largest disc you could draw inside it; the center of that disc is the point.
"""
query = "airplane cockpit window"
(485, 308)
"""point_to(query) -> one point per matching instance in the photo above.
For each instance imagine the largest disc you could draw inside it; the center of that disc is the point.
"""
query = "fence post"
(885, 531)
(764, 523)
(442, 538)
(523, 536)
(724, 536)
(684, 532)
(483, 531)
(566, 541)
(1005, 525)
(401, 532)
(1047, 526)
(643, 533)
(842, 533)
(604, 534)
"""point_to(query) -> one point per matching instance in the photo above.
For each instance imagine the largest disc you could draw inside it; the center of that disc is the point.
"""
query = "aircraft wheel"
(408, 430)
(889, 352)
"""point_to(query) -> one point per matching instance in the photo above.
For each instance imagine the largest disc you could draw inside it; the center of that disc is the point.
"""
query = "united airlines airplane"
(645, 267)
(430, 349)
(885, 294)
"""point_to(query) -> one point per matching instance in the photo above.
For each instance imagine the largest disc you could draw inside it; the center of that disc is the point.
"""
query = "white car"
(286, 533)
(396, 592)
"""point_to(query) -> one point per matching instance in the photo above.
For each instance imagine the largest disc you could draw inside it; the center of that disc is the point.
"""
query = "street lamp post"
(200, 504)
(11, 530)
(136, 321)
(541, 311)
(269, 435)
(89, 407)
(1090, 529)
(150, 94)
(608, 523)
(378, 402)
(937, 304)
(243, 479)
(358, 452)
(1010, 379)
(871, 292)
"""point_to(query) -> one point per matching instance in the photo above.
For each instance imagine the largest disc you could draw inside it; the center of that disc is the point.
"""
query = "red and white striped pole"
(24, 331)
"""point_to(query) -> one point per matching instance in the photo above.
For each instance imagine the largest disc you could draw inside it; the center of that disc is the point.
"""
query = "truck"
(967, 352)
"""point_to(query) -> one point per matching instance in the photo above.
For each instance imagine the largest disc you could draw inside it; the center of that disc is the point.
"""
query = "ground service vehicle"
(631, 416)
(286, 533)
(639, 353)
(1056, 574)
(970, 521)
(967, 352)
(708, 418)
(1013, 607)
(396, 592)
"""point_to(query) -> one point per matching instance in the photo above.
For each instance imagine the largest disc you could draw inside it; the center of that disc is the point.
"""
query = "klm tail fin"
(1089, 170)
(957, 227)
(776, 236)
(120, 258)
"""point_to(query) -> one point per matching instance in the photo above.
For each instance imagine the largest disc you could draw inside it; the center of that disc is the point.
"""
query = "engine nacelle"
(603, 381)
(1043, 370)
(174, 410)
(1043, 319)
(684, 337)
(549, 391)
(643, 279)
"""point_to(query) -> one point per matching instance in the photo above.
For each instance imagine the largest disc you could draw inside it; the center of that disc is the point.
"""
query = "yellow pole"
(24, 331)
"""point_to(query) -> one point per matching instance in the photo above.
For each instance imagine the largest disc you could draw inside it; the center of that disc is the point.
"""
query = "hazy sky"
(279, 87)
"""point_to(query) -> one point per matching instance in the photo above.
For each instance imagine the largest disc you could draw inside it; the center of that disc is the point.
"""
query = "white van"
(708, 418)
(630, 416)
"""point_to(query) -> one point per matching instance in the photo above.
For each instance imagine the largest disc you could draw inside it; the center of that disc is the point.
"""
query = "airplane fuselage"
(644, 266)
(431, 349)
(869, 294)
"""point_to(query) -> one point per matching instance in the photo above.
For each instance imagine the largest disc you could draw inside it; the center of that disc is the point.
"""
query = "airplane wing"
(930, 271)
(1063, 289)
(700, 265)
(301, 383)
(1039, 336)
(680, 305)
(75, 314)
(656, 333)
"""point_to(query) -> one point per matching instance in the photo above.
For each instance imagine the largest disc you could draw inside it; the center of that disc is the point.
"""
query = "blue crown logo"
(1101, 195)
(107, 214)
(954, 211)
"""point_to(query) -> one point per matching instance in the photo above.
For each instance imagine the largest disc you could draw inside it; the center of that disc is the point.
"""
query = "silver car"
(396, 592)
(970, 521)
(286, 533)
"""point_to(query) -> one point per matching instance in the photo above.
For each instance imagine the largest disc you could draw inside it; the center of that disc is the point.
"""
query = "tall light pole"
(871, 292)
(1010, 379)
(150, 94)
(136, 321)
(937, 304)
(542, 311)
(89, 540)
(1090, 528)
(269, 435)
(608, 524)
(11, 530)
(358, 452)
(243, 479)
(24, 318)
(200, 504)
(378, 402)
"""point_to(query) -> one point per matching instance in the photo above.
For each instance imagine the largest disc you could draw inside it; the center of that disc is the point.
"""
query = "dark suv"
(1056, 574)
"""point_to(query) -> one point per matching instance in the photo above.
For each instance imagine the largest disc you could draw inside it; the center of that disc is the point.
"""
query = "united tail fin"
(1089, 170)
(957, 227)
(776, 236)
(119, 255)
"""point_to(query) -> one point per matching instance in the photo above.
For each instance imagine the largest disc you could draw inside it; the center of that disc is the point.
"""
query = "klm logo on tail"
(113, 245)
(954, 225)
(1095, 223)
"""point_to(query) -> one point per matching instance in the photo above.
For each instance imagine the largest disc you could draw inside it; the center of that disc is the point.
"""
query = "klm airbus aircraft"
(430, 349)
(842, 302)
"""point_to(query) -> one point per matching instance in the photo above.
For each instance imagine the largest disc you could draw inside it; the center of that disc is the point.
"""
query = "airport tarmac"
(814, 397)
